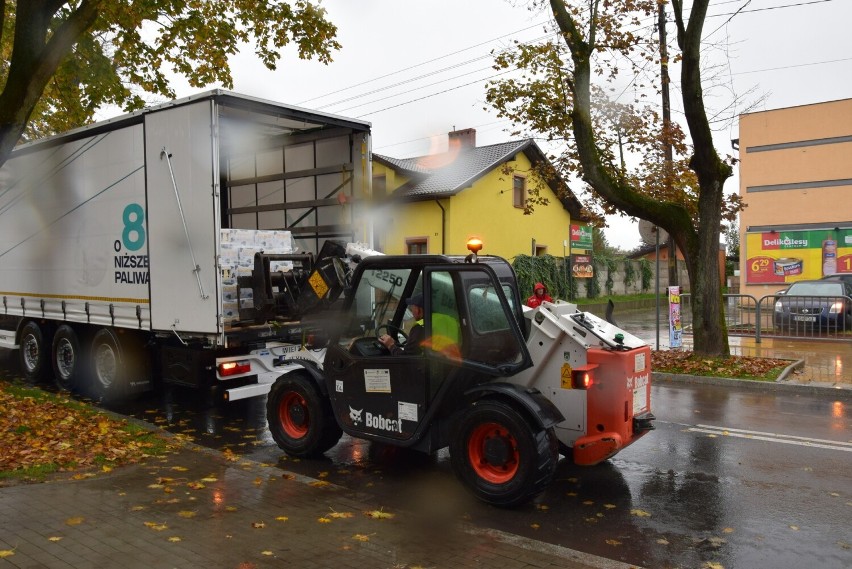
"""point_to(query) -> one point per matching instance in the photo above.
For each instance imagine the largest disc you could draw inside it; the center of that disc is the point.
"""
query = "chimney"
(460, 139)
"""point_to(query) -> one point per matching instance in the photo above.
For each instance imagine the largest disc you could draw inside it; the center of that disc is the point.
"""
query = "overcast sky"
(417, 69)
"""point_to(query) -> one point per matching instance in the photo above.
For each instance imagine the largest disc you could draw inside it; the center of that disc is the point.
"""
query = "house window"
(416, 246)
(519, 191)
(379, 187)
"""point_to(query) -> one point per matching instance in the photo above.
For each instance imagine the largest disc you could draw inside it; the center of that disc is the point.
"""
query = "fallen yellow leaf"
(324, 520)
(728, 530)
(613, 542)
(54, 538)
(258, 481)
(588, 502)
(378, 515)
(74, 521)
(209, 479)
(340, 515)
(186, 514)
(535, 526)
(322, 475)
(258, 525)
(156, 527)
(230, 508)
(663, 541)
(609, 506)
(712, 565)
(137, 508)
(282, 518)
(794, 528)
(6, 553)
(319, 483)
(174, 539)
(267, 552)
(195, 485)
(179, 468)
(361, 537)
(640, 513)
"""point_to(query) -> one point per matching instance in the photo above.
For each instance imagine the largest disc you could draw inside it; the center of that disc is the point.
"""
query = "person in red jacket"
(539, 295)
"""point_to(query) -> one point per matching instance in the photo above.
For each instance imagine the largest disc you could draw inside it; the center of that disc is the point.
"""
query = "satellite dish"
(648, 232)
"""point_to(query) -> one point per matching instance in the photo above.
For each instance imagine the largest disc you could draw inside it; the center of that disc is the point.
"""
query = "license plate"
(805, 318)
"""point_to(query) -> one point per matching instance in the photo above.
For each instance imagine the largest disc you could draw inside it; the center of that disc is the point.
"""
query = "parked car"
(823, 304)
(844, 277)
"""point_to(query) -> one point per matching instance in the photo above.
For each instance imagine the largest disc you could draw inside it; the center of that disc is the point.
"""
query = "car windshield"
(816, 289)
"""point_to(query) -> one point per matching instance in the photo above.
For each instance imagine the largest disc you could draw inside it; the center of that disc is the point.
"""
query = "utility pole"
(667, 120)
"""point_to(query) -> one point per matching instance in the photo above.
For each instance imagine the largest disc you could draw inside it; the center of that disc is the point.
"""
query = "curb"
(834, 391)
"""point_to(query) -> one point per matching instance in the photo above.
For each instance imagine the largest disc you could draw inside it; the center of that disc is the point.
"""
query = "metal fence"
(781, 316)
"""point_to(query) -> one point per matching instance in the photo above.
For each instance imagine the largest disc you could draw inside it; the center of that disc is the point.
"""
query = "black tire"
(67, 359)
(106, 359)
(34, 352)
(500, 457)
(300, 419)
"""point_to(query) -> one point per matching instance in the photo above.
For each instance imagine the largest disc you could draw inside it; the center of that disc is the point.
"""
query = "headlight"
(778, 306)
(836, 307)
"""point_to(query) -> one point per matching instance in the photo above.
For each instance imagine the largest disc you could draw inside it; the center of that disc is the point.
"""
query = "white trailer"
(114, 241)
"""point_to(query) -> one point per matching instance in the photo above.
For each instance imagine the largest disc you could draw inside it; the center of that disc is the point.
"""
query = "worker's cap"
(416, 300)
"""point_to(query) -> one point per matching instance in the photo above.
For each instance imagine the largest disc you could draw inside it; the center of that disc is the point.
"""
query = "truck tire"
(34, 352)
(500, 456)
(66, 358)
(108, 381)
(300, 419)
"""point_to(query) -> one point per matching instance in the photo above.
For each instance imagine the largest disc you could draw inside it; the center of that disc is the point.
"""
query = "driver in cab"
(415, 335)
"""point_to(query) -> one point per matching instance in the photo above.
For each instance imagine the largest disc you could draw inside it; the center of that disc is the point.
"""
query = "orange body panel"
(620, 390)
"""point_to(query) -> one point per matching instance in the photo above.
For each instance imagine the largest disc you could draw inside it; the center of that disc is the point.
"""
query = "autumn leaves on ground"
(45, 435)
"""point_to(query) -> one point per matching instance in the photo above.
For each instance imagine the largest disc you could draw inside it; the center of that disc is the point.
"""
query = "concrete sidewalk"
(196, 508)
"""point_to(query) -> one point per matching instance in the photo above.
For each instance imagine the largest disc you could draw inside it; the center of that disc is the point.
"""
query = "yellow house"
(796, 182)
(435, 203)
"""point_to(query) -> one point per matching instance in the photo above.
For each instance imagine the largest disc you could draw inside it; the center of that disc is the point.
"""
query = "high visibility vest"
(446, 335)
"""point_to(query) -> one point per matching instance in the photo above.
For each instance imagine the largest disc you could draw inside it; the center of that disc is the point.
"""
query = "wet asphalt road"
(734, 477)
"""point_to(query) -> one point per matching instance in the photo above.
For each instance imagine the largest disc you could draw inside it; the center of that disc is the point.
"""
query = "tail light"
(234, 368)
(581, 379)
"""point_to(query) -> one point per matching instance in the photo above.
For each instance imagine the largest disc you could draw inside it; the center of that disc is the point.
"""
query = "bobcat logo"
(355, 415)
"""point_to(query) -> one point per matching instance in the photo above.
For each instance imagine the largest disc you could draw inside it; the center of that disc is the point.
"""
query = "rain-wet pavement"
(715, 483)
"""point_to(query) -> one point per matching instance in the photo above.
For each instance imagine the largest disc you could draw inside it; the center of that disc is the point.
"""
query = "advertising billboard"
(787, 256)
(582, 266)
(581, 237)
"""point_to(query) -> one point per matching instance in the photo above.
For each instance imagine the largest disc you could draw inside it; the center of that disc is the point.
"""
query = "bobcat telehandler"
(506, 387)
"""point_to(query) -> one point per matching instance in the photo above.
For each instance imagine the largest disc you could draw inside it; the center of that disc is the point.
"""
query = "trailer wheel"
(34, 353)
(503, 459)
(66, 358)
(110, 359)
(301, 420)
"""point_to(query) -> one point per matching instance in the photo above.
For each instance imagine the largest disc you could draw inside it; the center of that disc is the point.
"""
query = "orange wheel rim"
(493, 453)
(293, 415)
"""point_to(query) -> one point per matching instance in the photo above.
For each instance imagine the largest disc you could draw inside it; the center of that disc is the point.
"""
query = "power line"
(433, 94)
(422, 63)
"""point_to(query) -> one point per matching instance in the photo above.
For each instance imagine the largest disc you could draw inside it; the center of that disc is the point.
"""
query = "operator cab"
(472, 335)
